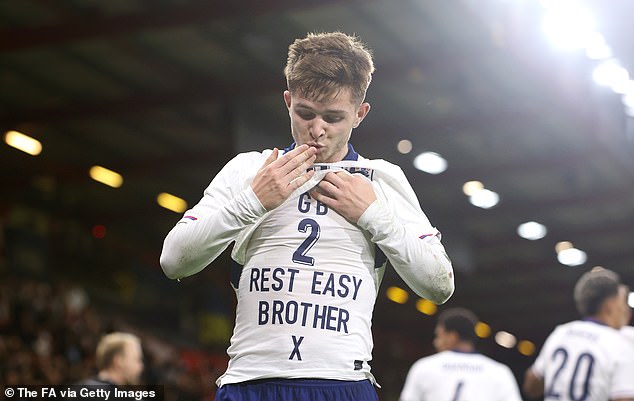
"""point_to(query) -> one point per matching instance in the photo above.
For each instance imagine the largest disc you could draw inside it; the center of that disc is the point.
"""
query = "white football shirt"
(459, 376)
(309, 284)
(628, 332)
(586, 360)
(306, 279)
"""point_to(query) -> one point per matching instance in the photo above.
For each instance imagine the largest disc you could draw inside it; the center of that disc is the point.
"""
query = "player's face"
(131, 363)
(622, 307)
(325, 125)
(442, 339)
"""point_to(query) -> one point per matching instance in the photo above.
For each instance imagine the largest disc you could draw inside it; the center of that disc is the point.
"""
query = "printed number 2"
(456, 394)
(299, 256)
(585, 384)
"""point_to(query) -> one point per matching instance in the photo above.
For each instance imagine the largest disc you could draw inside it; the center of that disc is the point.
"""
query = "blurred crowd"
(49, 332)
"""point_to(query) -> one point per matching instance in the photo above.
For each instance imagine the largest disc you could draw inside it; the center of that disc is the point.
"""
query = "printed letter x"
(296, 343)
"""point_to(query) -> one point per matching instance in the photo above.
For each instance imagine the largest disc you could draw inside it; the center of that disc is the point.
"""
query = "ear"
(453, 338)
(287, 99)
(362, 111)
(611, 312)
(116, 360)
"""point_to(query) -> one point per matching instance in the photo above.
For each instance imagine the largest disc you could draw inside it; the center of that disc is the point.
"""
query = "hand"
(348, 194)
(278, 178)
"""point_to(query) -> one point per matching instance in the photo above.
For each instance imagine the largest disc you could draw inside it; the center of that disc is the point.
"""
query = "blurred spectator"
(119, 358)
(49, 333)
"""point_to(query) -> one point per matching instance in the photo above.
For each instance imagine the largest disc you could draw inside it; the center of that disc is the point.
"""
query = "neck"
(606, 319)
(111, 376)
(463, 347)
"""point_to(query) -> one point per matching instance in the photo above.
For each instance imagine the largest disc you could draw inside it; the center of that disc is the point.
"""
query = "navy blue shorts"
(298, 390)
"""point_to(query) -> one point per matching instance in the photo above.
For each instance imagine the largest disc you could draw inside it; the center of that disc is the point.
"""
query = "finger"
(295, 158)
(301, 180)
(301, 169)
(318, 195)
(293, 153)
(272, 157)
(335, 178)
(327, 189)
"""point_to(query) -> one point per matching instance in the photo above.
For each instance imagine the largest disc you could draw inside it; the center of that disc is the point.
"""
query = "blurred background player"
(457, 372)
(119, 360)
(588, 359)
(628, 332)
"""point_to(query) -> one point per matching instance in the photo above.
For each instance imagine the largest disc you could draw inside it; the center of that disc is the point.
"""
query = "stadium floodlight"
(572, 257)
(569, 26)
(611, 73)
(430, 162)
(23, 142)
(532, 230)
(484, 199)
(505, 339)
(597, 48)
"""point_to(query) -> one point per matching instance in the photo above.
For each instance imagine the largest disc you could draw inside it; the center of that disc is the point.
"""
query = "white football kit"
(586, 360)
(306, 279)
(628, 332)
(458, 376)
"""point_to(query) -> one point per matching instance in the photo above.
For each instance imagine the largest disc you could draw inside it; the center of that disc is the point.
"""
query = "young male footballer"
(312, 228)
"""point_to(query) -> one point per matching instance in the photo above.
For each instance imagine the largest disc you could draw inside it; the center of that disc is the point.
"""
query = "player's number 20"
(582, 371)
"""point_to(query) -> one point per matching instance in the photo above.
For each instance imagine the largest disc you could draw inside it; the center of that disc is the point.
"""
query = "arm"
(228, 206)
(399, 227)
(413, 249)
(533, 385)
(236, 198)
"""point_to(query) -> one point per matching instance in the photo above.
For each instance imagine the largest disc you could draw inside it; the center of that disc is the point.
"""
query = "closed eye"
(305, 115)
(333, 118)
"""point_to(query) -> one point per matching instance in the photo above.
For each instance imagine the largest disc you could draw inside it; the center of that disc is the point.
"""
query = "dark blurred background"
(532, 99)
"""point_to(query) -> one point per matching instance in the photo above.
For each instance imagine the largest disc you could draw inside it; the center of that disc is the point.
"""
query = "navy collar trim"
(463, 352)
(593, 320)
(351, 155)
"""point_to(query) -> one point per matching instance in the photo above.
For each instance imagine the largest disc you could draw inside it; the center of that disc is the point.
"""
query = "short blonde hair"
(321, 64)
(111, 345)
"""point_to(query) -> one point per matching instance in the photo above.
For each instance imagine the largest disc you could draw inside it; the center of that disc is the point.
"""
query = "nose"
(317, 129)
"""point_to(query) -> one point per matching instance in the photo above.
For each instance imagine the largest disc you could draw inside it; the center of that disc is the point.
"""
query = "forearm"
(421, 263)
(192, 244)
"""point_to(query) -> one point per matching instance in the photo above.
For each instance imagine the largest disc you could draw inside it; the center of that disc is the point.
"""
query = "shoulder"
(556, 336)
(425, 362)
(610, 340)
(95, 381)
(247, 158)
(499, 366)
(628, 333)
(242, 166)
(563, 328)
(382, 165)
(433, 361)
